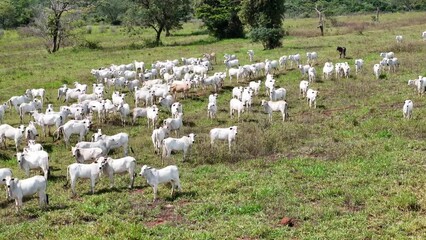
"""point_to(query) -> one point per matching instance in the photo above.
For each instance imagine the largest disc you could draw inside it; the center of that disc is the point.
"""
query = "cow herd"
(153, 88)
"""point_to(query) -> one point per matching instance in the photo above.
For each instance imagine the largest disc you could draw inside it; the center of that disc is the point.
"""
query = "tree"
(54, 23)
(112, 10)
(159, 15)
(7, 14)
(265, 19)
(320, 20)
(221, 18)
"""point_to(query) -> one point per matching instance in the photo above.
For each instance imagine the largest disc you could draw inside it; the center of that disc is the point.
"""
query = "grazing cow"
(278, 106)
(3, 108)
(7, 131)
(177, 144)
(119, 166)
(88, 171)
(18, 189)
(165, 175)
(33, 160)
(407, 109)
(229, 134)
(342, 52)
(82, 155)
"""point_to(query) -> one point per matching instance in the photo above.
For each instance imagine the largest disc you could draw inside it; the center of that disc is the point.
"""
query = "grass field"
(351, 169)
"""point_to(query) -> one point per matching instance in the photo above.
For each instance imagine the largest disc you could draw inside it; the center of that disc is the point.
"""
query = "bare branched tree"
(320, 20)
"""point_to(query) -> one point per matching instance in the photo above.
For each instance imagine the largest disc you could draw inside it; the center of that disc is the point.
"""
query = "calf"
(88, 171)
(119, 166)
(376, 70)
(33, 160)
(177, 144)
(342, 52)
(82, 155)
(407, 109)
(165, 175)
(18, 189)
(303, 86)
(228, 134)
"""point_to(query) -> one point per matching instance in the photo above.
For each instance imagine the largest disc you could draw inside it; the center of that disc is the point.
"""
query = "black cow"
(342, 51)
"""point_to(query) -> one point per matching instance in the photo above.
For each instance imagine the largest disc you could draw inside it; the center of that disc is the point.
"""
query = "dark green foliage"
(221, 18)
(111, 10)
(159, 15)
(265, 20)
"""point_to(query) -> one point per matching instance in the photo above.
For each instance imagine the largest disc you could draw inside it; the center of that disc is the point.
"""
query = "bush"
(89, 29)
(1, 33)
(269, 37)
(102, 29)
(90, 44)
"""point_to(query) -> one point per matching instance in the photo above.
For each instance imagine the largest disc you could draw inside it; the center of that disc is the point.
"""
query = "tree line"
(260, 20)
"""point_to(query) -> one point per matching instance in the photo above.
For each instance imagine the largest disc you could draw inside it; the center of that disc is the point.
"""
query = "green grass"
(350, 169)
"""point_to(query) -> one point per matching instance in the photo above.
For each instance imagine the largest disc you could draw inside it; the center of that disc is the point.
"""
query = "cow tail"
(47, 199)
(131, 149)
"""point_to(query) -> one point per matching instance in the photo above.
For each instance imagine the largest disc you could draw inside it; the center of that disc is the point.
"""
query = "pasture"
(352, 168)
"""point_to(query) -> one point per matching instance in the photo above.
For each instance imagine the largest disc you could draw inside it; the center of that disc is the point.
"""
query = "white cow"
(80, 127)
(40, 92)
(82, 155)
(294, 59)
(312, 57)
(31, 131)
(157, 137)
(211, 110)
(424, 36)
(33, 160)
(177, 144)
(165, 175)
(251, 55)
(303, 86)
(236, 105)
(174, 123)
(377, 70)
(62, 91)
(7, 131)
(152, 115)
(407, 109)
(119, 166)
(88, 171)
(275, 106)
(18, 189)
(4, 172)
(398, 38)
(311, 96)
(229, 134)
(25, 108)
(255, 86)
(176, 108)
(358, 65)
(116, 141)
(327, 70)
(33, 146)
(3, 109)
(277, 94)
(312, 74)
(15, 101)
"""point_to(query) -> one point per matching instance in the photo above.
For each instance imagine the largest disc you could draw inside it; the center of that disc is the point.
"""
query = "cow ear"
(95, 162)
(4, 179)
(230, 128)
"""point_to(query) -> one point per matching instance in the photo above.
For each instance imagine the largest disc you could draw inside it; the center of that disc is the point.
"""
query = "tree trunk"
(168, 32)
(320, 20)
(377, 14)
(157, 38)
(56, 27)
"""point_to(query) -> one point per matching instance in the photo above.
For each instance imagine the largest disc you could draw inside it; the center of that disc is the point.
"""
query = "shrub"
(89, 29)
(269, 37)
(90, 44)
(1, 33)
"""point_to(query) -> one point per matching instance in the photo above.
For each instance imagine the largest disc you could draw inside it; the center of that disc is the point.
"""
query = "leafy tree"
(159, 15)
(221, 17)
(7, 14)
(265, 19)
(112, 10)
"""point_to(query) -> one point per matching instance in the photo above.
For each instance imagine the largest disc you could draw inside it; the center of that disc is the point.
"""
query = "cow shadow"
(183, 194)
